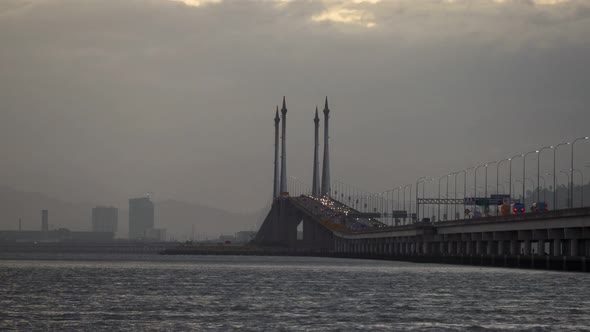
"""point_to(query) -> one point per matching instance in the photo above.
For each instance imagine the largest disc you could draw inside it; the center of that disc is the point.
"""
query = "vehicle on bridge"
(539, 207)
(505, 209)
(518, 208)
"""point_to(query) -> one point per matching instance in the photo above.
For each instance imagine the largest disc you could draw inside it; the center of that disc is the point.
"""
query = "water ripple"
(154, 293)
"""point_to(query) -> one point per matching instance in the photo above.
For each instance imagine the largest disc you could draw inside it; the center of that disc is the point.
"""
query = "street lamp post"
(447, 196)
(455, 196)
(568, 182)
(510, 174)
(486, 181)
(498, 174)
(475, 179)
(424, 193)
(581, 187)
(444, 176)
(555, 174)
(417, 186)
(404, 205)
(524, 173)
(475, 183)
(539, 170)
(465, 188)
(498, 182)
(572, 170)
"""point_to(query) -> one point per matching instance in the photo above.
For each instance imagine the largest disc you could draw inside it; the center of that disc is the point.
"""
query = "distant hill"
(15, 204)
(176, 216)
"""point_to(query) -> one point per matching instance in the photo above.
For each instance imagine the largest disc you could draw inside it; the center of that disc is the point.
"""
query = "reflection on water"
(276, 293)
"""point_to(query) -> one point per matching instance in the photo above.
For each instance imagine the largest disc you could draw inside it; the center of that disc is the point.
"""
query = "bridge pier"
(526, 247)
(279, 228)
(573, 247)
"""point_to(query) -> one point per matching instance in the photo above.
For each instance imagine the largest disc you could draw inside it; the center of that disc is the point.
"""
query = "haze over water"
(108, 292)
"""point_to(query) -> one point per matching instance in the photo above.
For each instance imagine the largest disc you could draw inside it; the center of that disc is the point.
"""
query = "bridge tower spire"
(315, 188)
(283, 187)
(326, 165)
(275, 188)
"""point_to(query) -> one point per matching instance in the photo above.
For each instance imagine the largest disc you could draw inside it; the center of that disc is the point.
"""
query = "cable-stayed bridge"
(454, 225)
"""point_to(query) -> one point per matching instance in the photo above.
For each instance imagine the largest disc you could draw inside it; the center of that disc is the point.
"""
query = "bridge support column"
(527, 247)
(540, 235)
(556, 247)
(556, 236)
(573, 247)
(501, 248)
(514, 246)
(541, 247)
(479, 247)
(469, 248)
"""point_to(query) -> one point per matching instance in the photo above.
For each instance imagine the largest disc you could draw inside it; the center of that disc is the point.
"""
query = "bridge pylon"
(279, 228)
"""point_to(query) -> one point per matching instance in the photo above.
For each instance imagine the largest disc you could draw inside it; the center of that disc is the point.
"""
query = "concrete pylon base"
(279, 229)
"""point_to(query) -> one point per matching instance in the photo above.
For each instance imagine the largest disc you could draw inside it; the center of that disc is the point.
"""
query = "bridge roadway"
(554, 239)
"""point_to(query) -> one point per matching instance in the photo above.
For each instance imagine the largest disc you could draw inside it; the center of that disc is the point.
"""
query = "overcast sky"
(103, 100)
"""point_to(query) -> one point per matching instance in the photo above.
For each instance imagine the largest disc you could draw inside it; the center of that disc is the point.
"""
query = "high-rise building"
(105, 219)
(141, 217)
